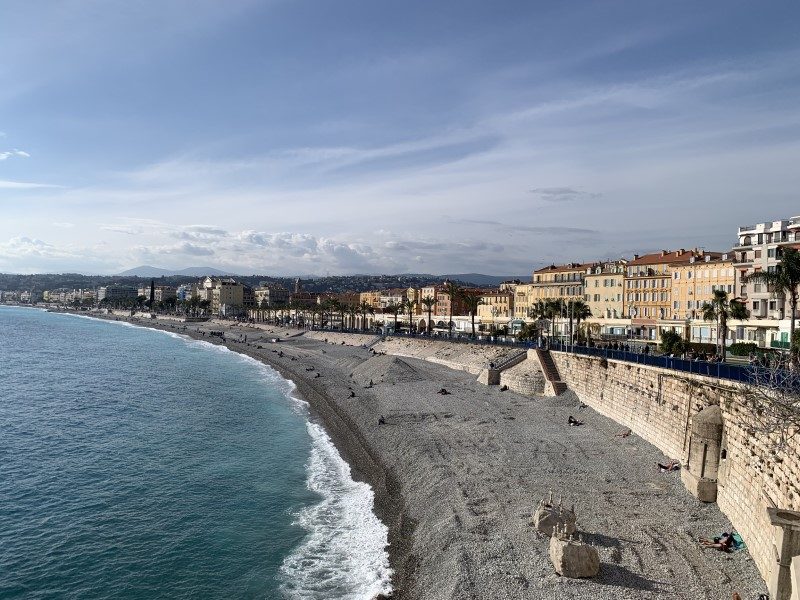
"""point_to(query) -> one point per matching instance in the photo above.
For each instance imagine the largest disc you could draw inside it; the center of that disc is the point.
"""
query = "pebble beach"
(458, 476)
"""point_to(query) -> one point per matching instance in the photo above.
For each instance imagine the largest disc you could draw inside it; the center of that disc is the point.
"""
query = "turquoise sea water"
(139, 464)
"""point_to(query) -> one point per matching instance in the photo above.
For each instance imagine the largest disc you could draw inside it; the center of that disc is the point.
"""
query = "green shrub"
(743, 348)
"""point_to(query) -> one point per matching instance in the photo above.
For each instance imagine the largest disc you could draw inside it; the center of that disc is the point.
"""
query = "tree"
(672, 343)
(773, 398)
(581, 312)
(365, 309)
(393, 309)
(429, 302)
(784, 281)
(720, 309)
(453, 292)
(472, 300)
(408, 305)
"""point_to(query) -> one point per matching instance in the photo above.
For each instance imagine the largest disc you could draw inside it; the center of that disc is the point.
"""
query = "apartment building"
(371, 298)
(393, 296)
(562, 281)
(603, 287)
(523, 300)
(497, 305)
(648, 288)
(272, 296)
(759, 249)
(694, 284)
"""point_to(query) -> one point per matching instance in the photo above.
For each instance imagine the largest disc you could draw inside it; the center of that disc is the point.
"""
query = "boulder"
(549, 516)
(573, 558)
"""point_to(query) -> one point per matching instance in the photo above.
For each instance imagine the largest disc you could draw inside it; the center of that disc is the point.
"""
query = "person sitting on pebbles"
(573, 422)
(443, 392)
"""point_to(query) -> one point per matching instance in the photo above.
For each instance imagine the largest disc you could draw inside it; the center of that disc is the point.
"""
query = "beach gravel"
(458, 476)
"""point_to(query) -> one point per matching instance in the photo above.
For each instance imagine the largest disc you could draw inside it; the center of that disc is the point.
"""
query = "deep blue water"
(137, 464)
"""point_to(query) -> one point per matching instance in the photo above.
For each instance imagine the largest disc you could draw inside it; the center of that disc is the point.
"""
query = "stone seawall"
(659, 405)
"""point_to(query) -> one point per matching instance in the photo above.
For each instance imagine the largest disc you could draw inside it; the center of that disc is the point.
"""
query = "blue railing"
(720, 370)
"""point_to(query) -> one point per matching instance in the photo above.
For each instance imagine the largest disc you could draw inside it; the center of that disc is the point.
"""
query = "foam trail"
(344, 554)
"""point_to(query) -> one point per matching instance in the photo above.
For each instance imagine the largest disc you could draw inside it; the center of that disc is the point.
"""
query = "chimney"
(663, 253)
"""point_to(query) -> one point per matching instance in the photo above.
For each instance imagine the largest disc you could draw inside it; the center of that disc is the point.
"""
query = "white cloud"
(9, 153)
(25, 185)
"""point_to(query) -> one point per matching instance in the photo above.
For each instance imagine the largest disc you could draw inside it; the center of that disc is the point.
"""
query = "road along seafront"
(457, 476)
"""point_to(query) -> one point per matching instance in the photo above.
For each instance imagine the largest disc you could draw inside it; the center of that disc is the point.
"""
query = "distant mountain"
(148, 271)
(485, 280)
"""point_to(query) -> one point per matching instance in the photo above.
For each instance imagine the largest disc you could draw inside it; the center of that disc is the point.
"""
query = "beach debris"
(443, 392)
(623, 434)
(573, 557)
(549, 515)
(381, 420)
(573, 422)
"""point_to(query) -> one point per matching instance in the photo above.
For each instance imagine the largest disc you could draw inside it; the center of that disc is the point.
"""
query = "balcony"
(747, 228)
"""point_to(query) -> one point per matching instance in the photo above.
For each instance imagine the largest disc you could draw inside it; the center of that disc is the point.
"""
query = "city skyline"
(300, 138)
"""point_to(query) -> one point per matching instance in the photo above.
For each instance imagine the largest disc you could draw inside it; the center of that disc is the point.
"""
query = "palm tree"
(581, 312)
(365, 309)
(352, 311)
(429, 302)
(393, 309)
(784, 281)
(264, 306)
(408, 305)
(540, 311)
(552, 310)
(720, 309)
(453, 292)
(472, 300)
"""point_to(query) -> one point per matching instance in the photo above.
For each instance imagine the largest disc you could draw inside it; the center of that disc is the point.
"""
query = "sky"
(298, 137)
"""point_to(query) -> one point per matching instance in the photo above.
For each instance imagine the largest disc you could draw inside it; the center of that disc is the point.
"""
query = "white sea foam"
(343, 556)
(344, 553)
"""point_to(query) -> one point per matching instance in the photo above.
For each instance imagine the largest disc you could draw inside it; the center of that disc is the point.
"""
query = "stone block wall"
(659, 404)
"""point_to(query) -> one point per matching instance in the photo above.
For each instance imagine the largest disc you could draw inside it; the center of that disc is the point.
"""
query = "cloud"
(541, 230)
(24, 185)
(9, 153)
(63, 225)
(126, 229)
(564, 194)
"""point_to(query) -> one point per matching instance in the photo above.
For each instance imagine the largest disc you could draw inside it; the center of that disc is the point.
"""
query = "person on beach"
(573, 422)
(443, 392)
(623, 434)
(672, 465)
(723, 543)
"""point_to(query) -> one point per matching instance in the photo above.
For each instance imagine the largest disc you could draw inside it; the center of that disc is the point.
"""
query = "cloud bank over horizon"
(309, 138)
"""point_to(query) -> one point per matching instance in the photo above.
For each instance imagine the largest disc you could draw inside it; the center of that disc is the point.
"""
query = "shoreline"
(455, 478)
(365, 466)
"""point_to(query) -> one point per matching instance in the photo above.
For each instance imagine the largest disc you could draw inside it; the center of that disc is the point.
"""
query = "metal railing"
(719, 370)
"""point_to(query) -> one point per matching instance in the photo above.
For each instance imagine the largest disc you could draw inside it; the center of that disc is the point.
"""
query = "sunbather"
(572, 421)
(672, 465)
(723, 543)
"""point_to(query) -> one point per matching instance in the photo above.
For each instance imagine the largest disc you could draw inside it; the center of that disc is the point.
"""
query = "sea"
(136, 463)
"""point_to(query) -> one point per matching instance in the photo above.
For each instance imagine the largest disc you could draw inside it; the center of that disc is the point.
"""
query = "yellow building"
(564, 281)
(523, 300)
(496, 305)
(372, 298)
(603, 288)
(694, 283)
(648, 288)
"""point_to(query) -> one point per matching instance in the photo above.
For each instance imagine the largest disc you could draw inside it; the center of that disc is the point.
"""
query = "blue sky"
(299, 137)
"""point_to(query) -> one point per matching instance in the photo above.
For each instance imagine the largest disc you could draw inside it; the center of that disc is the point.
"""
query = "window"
(771, 253)
(757, 253)
(688, 275)
(676, 275)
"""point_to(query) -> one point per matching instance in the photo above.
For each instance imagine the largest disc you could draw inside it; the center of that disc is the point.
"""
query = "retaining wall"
(659, 404)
